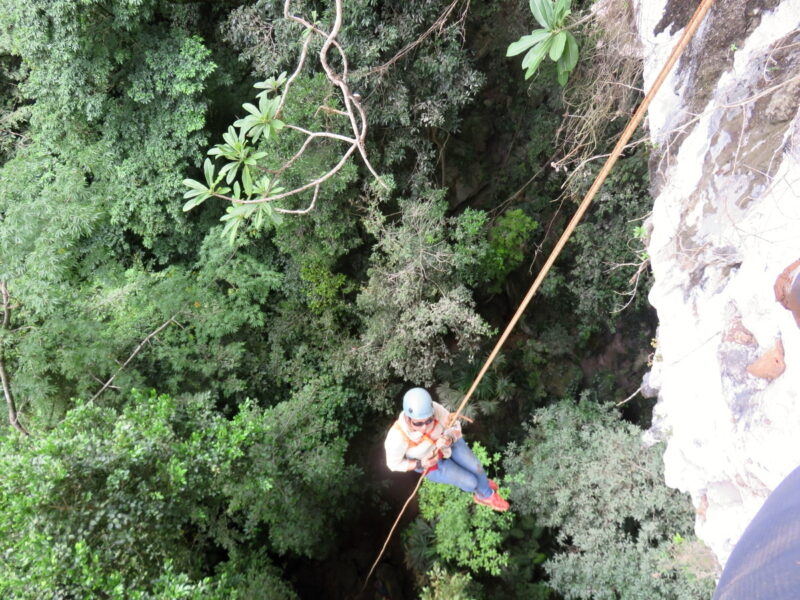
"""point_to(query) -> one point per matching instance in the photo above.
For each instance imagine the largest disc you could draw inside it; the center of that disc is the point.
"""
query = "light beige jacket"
(404, 446)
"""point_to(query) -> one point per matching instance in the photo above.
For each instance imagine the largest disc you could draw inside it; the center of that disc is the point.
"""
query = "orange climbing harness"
(412, 443)
(688, 33)
(424, 438)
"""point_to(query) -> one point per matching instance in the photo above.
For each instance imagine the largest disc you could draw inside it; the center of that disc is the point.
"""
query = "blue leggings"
(462, 470)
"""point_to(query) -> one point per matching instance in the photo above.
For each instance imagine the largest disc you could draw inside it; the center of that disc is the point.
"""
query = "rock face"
(725, 226)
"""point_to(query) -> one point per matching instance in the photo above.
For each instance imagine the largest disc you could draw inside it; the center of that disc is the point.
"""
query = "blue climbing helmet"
(417, 404)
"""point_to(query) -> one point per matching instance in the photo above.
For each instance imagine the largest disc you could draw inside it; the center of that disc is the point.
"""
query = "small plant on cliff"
(553, 39)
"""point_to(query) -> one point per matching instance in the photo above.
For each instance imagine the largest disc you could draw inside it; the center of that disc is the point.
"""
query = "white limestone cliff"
(725, 224)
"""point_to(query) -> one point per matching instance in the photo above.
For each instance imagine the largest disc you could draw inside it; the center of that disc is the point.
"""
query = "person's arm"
(396, 446)
(452, 433)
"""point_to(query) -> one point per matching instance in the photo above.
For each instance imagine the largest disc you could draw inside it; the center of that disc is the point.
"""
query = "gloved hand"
(447, 439)
(430, 461)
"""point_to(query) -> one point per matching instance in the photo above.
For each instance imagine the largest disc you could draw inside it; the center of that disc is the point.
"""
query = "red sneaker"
(493, 485)
(495, 502)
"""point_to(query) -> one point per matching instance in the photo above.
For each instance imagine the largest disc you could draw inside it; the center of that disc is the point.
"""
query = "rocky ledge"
(724, 241)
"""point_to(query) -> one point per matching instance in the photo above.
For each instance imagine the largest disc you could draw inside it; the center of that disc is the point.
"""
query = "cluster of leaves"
(586, 474)
(243, 160)
(459, 531)
(103, 502)
(509, 239)
(446, 586)
(415, 299)
(604, 253)
(552, 40)
(308, 314)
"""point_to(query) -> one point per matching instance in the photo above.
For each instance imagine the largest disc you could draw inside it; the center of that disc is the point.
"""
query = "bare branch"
(437, 27)
(353, 111)
(13, 416)
(352, 104)
(316, 134)
(296, 190)
(633, 281)
(300, 63)
(141, 345)
(286, 211)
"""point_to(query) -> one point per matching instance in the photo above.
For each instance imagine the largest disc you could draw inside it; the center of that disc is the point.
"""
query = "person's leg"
(464, 457)
(453, 474)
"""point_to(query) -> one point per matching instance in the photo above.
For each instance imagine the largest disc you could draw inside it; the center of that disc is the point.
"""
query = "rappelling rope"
(691, 29)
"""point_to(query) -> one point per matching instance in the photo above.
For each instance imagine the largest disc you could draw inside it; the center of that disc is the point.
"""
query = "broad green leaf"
(251, 109)
(269, 106)
(195, 202)
(557, 47)
(526, 41)
(230, 230)
(208, 170)
(246, 124)
(562, 71)
(238, 211)
(520, 45)
(277, 125)
(247, 182)
(572, 52)
(232, 173)
(256, 132)
(189, 205)
(275, 217)
(535, 56)
(538, 11)
(194, 185)
(561, 11)
(230, 136)
(547, 6)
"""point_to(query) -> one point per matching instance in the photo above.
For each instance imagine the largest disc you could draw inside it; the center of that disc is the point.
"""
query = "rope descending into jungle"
(688, 34)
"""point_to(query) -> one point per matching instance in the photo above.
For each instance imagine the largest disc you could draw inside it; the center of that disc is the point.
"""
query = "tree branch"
(141, 345)
(286, 211)
(13, 417)
(352, 103)
(437, 27)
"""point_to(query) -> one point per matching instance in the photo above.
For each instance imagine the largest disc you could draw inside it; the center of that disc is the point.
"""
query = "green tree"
(414, 301)
(118, 89)
(107, 499)
(602, 273)
(447, 586)
(587, 475)
(459, 531)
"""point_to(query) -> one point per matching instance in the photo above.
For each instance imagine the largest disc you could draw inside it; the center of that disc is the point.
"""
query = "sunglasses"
(427, 421)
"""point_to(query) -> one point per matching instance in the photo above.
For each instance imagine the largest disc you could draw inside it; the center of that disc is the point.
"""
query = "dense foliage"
(278, 336)
(615, 519)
